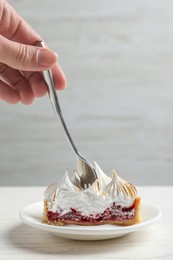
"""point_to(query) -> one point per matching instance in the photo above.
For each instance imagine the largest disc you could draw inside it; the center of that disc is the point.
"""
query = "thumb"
(25, 57)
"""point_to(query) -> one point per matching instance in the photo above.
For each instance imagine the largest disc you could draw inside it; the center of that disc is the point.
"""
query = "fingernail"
(46, 58)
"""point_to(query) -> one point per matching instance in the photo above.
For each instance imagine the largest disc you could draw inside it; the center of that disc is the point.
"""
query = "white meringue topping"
(100, 195)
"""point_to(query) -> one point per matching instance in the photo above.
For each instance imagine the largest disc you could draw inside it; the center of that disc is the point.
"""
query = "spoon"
(86, 174)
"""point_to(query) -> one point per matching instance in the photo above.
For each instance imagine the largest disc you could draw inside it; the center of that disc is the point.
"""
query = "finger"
(14, 27)
(38, 85)
(8, 94)
(25, 57)
(36, 82)
(59, 77)
(17, 82)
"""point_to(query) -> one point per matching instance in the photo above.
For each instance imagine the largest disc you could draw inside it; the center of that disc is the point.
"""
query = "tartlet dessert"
(107, 201)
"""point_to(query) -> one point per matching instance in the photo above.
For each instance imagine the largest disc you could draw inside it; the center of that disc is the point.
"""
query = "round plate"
(32, 214)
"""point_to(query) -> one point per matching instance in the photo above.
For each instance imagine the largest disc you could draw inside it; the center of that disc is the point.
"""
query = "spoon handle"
(48, 78)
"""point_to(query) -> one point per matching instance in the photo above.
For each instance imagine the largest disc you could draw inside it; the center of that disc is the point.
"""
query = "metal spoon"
(84, 168)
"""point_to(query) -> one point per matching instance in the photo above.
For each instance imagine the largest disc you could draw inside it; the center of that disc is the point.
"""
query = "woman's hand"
(21, 62)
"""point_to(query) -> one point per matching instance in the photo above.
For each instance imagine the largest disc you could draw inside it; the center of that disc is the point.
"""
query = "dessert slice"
(107, 201)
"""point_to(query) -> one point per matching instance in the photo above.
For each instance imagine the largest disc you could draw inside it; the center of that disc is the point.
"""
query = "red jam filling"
(114, 212)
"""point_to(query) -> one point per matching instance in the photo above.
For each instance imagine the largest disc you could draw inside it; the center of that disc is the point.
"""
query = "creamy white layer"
(63, 196)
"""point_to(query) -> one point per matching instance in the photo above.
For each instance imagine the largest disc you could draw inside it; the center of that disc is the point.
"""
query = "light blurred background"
(118, 59)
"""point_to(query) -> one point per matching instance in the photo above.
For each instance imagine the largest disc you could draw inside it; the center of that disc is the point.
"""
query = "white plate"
(31, 215)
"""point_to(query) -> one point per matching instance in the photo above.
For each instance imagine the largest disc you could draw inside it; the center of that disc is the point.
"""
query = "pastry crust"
(123, 222)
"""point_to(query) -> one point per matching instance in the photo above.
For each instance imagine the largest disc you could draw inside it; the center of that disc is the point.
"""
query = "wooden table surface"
(118, 59)
(21, 242)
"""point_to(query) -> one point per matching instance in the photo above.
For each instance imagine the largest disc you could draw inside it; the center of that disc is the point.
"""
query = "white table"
(19, 241)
